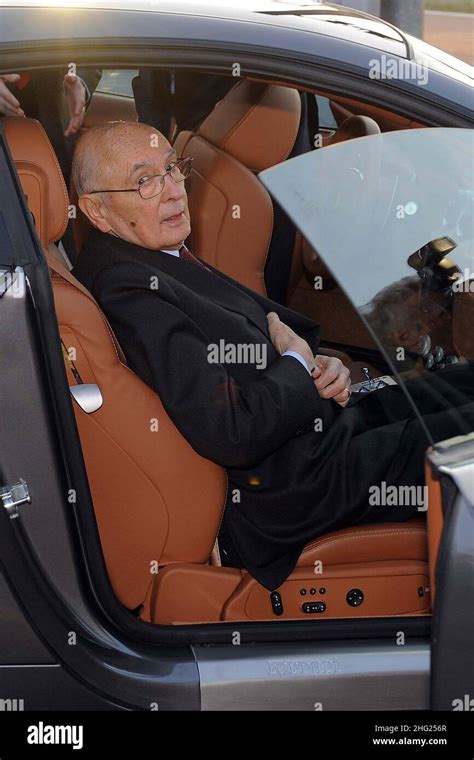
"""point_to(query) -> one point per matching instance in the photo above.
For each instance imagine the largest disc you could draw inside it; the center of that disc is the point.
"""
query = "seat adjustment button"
(354, 597)
(310, 608)
(277, 604)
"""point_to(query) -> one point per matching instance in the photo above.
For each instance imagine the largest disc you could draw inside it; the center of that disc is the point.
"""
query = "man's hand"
(332, 379)
(76, 100)
(74, 91)
(9, 105)
(285, 339)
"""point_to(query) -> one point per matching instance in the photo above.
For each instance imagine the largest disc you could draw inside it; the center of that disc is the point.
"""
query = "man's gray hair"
(96, 152)
(387, 310)
(87, 163)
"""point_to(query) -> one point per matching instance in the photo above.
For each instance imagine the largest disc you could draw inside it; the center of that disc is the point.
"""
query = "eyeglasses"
(149, 187)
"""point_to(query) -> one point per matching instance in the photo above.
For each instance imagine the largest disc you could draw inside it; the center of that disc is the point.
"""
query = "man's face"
(158, 222)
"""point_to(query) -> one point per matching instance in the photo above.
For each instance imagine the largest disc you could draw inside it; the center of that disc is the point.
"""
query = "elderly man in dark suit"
(239, 374)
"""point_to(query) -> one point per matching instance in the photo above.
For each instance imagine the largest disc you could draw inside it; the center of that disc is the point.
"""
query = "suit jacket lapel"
(216, 288)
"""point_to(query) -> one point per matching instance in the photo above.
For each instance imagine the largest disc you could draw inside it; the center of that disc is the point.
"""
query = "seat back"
(156, 500)
(36, 165)
(353, 127)
(252, 128)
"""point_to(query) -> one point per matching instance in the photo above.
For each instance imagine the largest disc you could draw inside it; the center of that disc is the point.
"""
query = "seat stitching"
(238, 165)
(154, 486)
(103, 317)
(337, 539)
(243, 119)
(63, 184)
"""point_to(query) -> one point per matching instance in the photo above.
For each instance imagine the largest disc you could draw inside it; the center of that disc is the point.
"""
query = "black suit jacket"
(192, 98)
(257, 423)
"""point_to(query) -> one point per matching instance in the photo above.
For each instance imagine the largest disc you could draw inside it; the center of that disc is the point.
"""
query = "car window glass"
(395, 226)
(117, 82)
(326, 116)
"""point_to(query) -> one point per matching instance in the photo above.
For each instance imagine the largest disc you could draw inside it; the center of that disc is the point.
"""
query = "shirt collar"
(174, 252)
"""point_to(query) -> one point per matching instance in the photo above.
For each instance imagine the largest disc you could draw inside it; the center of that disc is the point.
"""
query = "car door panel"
(431, 176)
(451, 541)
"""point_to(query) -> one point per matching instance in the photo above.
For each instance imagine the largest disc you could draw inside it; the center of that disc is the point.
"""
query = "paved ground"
(453, 32)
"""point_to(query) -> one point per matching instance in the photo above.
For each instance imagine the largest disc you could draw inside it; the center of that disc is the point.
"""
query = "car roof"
(234, 8)
(308, 16)
(304, 29)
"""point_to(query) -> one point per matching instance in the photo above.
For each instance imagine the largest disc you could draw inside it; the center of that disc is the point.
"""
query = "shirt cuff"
(298, 356)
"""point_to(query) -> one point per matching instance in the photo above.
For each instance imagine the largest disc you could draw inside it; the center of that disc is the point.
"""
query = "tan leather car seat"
(355, 126)
(364, 571)
(158, 504)
(253, 127)
(148, 514)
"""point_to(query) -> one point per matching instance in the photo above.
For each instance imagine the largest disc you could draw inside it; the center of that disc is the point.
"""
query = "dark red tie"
(185, 253)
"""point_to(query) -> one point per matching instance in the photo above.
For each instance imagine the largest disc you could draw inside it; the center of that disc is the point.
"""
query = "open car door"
(391, 215)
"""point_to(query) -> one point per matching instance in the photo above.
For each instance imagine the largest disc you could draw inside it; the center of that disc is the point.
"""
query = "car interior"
(159, 530)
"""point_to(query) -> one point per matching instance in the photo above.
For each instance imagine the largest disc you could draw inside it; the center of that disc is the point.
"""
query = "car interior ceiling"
(288, 267)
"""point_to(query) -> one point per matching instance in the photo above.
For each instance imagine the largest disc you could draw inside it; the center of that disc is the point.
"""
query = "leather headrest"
(40, 176)
(256, 123)
(355, 126)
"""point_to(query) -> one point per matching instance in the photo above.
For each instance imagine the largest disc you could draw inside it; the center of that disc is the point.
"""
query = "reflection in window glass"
(395, 225)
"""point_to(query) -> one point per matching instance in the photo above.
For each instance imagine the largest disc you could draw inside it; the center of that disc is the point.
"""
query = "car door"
(57, 651)
(395, 227)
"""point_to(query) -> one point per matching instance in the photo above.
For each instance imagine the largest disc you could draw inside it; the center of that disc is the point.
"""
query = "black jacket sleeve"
(233, 425)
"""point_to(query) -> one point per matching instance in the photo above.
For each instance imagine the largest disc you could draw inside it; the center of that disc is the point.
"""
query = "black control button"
(355, 597)
(322, 590)
(303, 591)
(310, 608)
(312, 591)
(277, 604)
